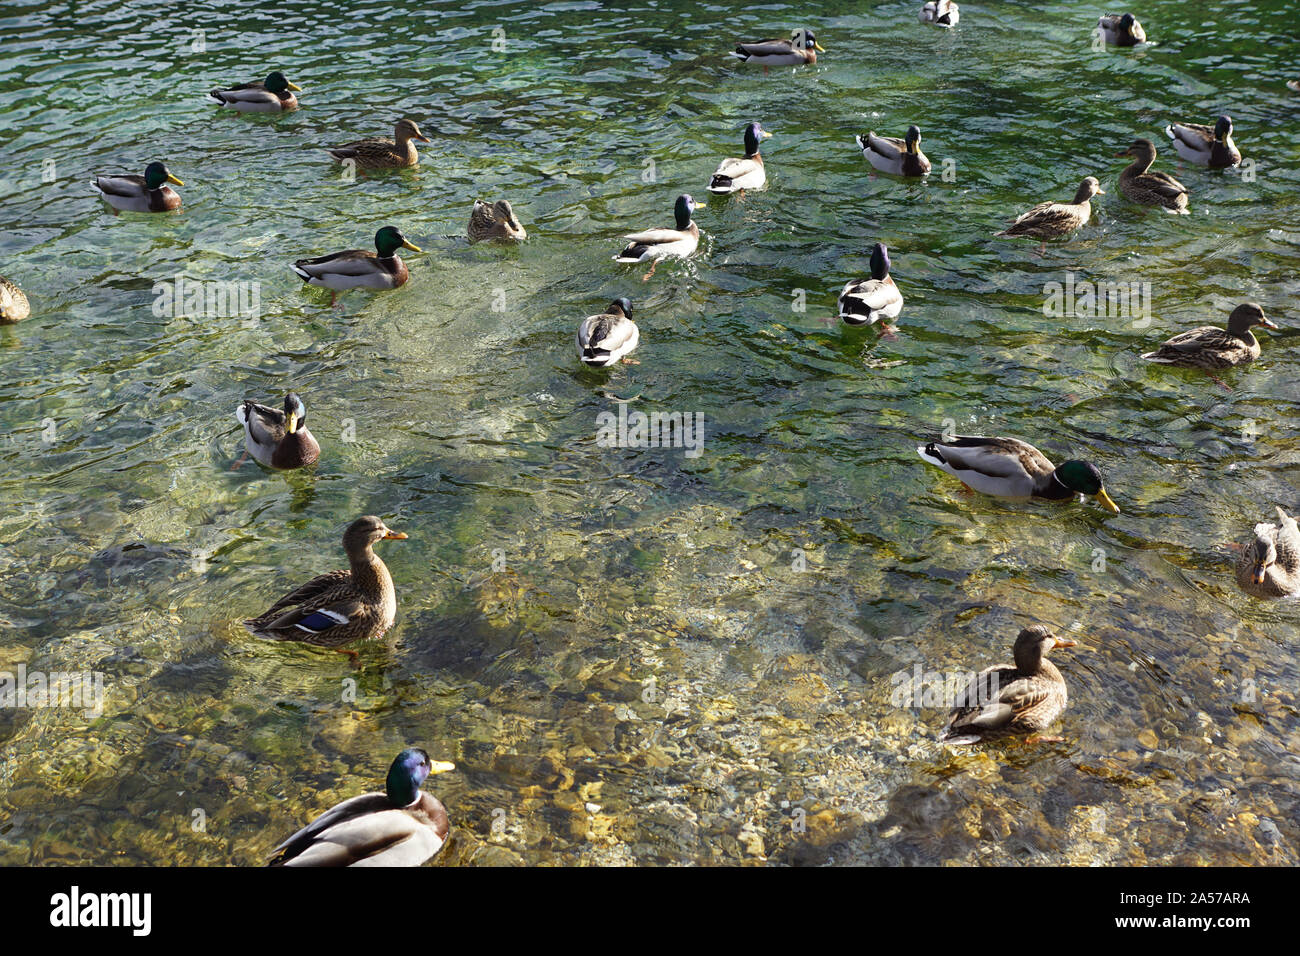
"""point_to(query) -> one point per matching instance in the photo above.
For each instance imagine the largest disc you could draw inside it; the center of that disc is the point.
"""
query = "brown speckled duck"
(1052, 220)
(340, 607)
(1004, 700)
(495, 222)
(1269, 566)
(381, 153)
(1209, 347)
(403, 826)
(1142, 186)
(13, 303)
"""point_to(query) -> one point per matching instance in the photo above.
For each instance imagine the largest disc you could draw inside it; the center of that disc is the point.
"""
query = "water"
(652, 678)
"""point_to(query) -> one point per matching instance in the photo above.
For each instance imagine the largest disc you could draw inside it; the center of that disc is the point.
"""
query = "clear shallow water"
(129, 547)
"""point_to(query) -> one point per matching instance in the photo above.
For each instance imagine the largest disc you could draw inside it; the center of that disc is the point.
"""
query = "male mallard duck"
(384, 153)
(403, 826)
(1205, 145)
(1147, 188)
(340, 607)
(1011, 468)
(272, 95)
(604, 339)
(737, 175)
(943, 13)
(867, 301)
(1212, 348)
(147, 193)
(901, 157)
(357, 268)
(13, 303)
(1121, 30)
(1269, 566)
(495, 221)
(278, 439)
(1293, 86)
(656, 244)
(801, 48)
(1024, 698)
(1051, 220)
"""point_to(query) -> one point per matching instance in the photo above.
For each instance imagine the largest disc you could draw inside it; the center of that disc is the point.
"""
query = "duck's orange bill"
(1065, 642)
(394, 536)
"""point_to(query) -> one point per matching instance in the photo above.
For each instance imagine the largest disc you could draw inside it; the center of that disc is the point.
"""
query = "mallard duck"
(1205, 145)
(384, 153)
(1051, 220)
(272, 95)
(357, 268)
(403, 826)
(656, 244)
(340, 607)
(147, 193)
(901, 157)
(495, 221)
(1148, 188)
(867, 301)
(1213, 348)
(1121, 30)
(13, 303)
(942, 13)
(1269, 566)
(802, 48)
(737, 175)
(1022, 698)
(278, 439)
(1293, 86)
(1011, 468)
(604, 339)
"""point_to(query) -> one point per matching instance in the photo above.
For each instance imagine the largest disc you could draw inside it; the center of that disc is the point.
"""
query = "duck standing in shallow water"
(147, 193)
(867, 301)
(943, 13)
(278, 439)
(1004, 700)
(898, 157)
(606, 338)
(1123, 30)
(272, 95)
(800, 50)
(1209, 347)
(330, 610)
(403, 826)
(1142, 186)
(14, 306)
(358, 268)
(1205, 145)
(396, 153)
(1269, 566)
(737, 175)
(1011, 468)
(1052, 220)
(495, 222)
(656, 244)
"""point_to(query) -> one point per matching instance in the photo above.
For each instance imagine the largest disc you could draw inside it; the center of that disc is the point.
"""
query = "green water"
(685, 659)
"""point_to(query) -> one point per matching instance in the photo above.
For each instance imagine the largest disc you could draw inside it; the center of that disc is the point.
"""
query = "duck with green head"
(656, 244)
(867, 301)
(1210, 146)
(738, 174)
(1011, 468)
(898, 157)
(606, 338)
(148, 193)
(278, 439)
(403, 826)
(800, 50)
(272, 95)
(359, 268)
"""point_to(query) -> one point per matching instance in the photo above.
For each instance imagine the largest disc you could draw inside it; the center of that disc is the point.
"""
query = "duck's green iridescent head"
(1223, 128)
(683, 209)
(408, 772)
(754, 133)
(623, 305)
(156, 175)
(389, 239)
(880, 261)
(1083, 477)
(913, 139)
(277, 83)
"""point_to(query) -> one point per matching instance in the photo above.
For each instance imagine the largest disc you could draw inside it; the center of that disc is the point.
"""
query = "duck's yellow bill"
(1100, 191)
(1065, 642)
(441, 766)
(293, 422)
(295, 87)
(819, 47)
(1106, 502)
(766, 135)
(173, 179)
(1268, 323)
(408, 244)
(394, 535)
(701, 205)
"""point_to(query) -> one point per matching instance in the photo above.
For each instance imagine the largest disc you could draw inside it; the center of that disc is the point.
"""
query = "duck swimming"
(1011, 468)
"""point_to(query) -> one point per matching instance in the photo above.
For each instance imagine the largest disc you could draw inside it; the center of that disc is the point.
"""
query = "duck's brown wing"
(265, 424)
(291, 849)
(1164, 184)
(1192, 134)
(312, 590)
(1050, 217)
(979, 708)
(765, 47)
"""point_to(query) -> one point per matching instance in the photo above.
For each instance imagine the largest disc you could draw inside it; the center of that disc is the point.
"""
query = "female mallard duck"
(1269, 566)
(1213, 348)
(357, 268)
(384, 153)
(942, 13)
(13, 303)
(340, 607)
(272, 95)
(1121, 30)
(900, 157)
(1205, 145)
(737, 175)
(147, 193)
(802, 48)
(1051, 220)
(403, 826)
(867, 301)
(278, 439)
(604, 339)
(1004, 700)
(1011, 468)
(656, 244)
(1148, 188)
(496, 222)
